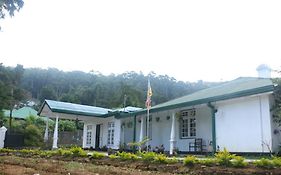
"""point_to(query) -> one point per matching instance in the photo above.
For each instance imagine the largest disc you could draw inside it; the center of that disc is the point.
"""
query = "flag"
(148, 97)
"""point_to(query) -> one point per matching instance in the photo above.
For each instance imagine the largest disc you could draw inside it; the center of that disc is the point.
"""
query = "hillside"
(93, 88)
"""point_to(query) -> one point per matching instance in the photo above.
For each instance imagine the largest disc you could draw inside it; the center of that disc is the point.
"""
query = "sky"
(188, 40)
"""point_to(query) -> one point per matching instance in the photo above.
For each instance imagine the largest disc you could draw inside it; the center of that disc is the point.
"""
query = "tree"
(10, 6)
(276, 109)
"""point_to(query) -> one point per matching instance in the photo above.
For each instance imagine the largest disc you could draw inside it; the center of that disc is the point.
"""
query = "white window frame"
(110, 133)
(188, 126)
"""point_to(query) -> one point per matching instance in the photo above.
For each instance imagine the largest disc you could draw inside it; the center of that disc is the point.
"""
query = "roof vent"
(264, 71)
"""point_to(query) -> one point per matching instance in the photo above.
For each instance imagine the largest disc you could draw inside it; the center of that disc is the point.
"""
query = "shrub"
(33, 136)
(78, 152)
(239, 161)
(190, 160)
(63, 152)
(126, 156)
(172, 160)
(97, 155)
(147, 156)
(264, 163)
(160, 158)
(224, 157)
(276, 161)
(6, 150)
(113, 156)
(208, 162)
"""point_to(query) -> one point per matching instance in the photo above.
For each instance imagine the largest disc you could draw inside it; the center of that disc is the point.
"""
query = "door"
(97, 143)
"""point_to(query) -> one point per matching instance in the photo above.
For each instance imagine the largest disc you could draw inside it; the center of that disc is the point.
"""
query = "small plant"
(113, 156)
(147, 156)
(139, 144)
(224, 157)
(78, 152)
(67, 153)
(97, 155)
(190, 160)
(126, 156)
(276, 161)
(6, 150)
(160, 158)
(264, 163)
(208, 162)
(239, 162)
(172, 160)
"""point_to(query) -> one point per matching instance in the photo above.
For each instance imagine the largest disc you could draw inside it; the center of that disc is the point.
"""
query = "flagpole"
(147, 129)
(148, 105)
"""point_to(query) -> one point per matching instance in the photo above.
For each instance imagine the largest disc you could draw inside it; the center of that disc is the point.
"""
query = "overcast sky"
(189, 40)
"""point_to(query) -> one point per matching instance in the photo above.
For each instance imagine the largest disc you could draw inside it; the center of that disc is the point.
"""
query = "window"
(188, 123)
(110, 136)
(89, 135)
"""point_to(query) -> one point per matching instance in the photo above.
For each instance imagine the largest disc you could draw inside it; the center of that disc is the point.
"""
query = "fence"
(14, 140)
(66, 138)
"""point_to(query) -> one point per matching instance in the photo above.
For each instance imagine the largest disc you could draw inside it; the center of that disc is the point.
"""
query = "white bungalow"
(235, 115)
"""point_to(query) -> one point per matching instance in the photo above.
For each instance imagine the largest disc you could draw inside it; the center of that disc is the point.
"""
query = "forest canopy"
(92, 88)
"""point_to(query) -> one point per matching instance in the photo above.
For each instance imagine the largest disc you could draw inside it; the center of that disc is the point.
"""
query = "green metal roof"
(21, 113)
(72, 108)
(239, 87)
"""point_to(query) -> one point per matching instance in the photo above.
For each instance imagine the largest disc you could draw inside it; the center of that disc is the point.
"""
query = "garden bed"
(76, 161)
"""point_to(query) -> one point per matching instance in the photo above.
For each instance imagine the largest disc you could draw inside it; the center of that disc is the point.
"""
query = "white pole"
(55, 138)
(46, 134)
(173, 135)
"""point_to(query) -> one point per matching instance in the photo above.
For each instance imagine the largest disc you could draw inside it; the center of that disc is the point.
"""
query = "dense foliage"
(88, 88)
(276, 109)
(106, 91)
(10, 91)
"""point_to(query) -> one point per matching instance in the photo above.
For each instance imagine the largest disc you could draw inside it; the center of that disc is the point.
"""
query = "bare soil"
(13, 165)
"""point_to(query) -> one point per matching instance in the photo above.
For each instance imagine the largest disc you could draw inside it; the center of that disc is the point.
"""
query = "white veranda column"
(55, 138)
(173, 135)
(84, 135)
(46, 134)
(141, 129)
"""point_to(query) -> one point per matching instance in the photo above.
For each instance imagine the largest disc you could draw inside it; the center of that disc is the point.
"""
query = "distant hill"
(105, 91)
(91, 88)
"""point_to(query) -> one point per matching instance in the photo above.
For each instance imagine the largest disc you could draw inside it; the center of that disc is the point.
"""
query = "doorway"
(98, 136)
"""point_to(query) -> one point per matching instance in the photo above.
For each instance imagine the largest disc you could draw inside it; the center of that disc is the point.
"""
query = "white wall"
(161, 130)
(127, 131)
(104, 131)
(203, 129)
(244, 124)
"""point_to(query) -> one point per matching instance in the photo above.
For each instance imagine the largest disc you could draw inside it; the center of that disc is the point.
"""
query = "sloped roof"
(72, 108)
(128, 109)
(21, 113)
(239, 87)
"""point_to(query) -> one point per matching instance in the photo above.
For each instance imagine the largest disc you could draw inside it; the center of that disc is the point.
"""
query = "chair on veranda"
(196, 146)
